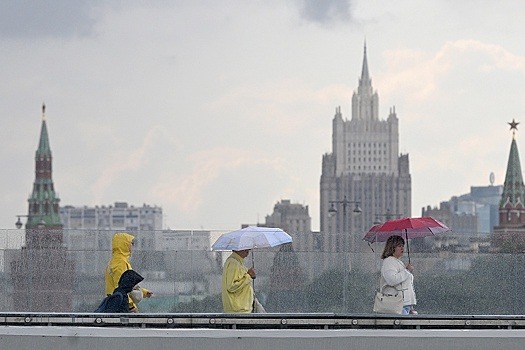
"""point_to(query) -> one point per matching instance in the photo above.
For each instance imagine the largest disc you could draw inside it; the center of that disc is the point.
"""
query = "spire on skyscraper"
(365, 77)
(365, 102)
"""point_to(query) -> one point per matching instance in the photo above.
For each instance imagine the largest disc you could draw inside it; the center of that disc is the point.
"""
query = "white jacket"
(394, 276)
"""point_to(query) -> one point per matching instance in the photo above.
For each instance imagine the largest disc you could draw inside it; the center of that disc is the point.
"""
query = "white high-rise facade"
(121, 216)
(364, 167)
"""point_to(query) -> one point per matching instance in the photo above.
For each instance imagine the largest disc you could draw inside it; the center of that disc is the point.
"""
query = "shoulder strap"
(397, 287)
(103, 305)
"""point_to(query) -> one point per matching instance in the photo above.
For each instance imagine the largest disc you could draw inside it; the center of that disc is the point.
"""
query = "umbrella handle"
(253, 266)
(408, 246)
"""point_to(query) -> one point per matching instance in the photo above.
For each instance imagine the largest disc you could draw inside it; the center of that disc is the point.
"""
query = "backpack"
(111, 303)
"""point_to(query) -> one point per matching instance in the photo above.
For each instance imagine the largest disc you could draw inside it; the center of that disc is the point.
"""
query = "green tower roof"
(513, 189)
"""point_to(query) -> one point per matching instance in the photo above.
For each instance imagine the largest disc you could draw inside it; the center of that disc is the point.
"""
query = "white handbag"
(388, 303)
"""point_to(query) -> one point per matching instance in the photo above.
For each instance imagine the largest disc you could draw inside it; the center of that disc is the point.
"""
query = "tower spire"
(513, 189)
(365, 76)
(43, 203)
(365, 102)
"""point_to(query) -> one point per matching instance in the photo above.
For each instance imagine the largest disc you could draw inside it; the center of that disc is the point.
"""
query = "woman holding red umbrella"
(396, 276)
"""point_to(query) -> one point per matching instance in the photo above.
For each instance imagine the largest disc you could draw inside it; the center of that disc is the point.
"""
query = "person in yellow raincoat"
(121, 247)
(237, 288)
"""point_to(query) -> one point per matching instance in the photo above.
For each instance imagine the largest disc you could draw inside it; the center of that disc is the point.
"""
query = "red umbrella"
(407, 227)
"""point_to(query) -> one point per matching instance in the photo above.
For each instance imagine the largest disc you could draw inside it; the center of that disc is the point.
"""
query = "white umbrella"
(252, 237)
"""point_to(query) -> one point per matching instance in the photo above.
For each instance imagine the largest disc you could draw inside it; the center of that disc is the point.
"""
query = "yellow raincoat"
(119, 263)
(237, 288)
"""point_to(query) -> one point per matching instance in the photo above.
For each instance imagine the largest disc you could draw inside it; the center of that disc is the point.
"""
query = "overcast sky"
(216, 110)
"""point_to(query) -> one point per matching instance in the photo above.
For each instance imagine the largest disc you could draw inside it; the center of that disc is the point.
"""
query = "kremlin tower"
(509, 236)
(42, 273)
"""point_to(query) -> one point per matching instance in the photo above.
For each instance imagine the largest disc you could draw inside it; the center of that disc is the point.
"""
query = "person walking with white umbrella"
(237, 280)
(237, 288)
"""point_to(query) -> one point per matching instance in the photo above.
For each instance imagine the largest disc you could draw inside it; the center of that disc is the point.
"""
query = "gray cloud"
(36, 19)
(325, 11)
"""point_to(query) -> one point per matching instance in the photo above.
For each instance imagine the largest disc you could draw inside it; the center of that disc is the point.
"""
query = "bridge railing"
(185, 276)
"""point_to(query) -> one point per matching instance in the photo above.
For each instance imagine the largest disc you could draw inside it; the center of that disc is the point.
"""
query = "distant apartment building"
(291, 217)
(295, 220)
(483, 201)
(463, 222)
(474, 213)
(471, 217)
(181, 240)
(121, 216)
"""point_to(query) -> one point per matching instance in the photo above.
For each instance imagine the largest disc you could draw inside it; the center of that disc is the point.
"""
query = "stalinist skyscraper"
(364, 167)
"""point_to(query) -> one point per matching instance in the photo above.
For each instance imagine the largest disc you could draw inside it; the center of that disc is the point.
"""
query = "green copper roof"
(43, 145)
(514, 189)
